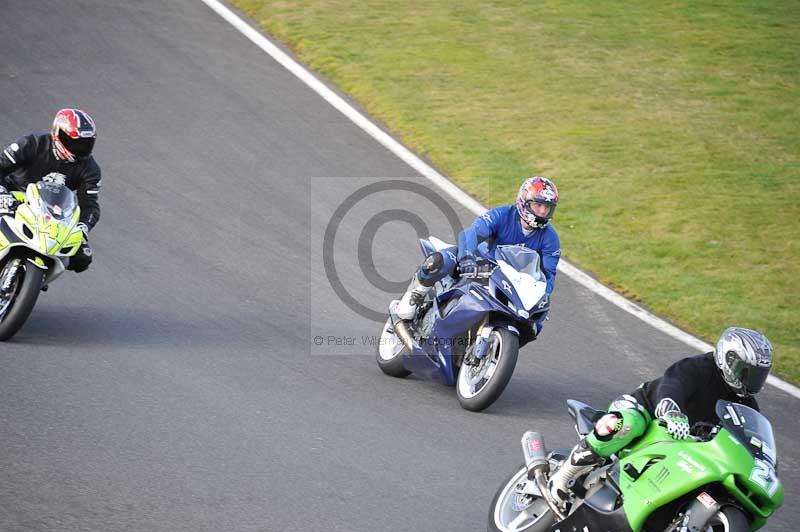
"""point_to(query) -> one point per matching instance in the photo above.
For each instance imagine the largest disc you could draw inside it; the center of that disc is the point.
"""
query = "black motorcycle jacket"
(31, 158)
(695, 384)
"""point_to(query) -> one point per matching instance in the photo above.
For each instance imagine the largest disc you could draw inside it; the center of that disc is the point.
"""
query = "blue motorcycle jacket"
(502, 226)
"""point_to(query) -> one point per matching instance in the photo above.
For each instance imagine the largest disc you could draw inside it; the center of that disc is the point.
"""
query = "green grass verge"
(671, 129)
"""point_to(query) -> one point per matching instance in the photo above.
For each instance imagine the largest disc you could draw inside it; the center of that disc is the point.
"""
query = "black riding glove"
(81, 260)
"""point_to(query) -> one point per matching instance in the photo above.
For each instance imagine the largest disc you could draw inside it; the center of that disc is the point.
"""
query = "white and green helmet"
(745, 357)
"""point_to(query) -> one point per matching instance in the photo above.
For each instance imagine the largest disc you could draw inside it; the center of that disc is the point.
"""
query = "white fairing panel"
(438, 244)
(529, 290)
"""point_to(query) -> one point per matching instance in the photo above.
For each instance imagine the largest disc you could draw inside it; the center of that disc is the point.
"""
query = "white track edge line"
(452, 190)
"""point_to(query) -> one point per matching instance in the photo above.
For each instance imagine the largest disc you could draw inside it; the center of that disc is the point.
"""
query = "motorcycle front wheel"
(16, 305)
(479, 385)
(727, 519)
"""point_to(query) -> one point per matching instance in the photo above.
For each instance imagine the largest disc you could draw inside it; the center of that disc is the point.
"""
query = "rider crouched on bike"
(527, 223)
(686, 394)
(62, 156)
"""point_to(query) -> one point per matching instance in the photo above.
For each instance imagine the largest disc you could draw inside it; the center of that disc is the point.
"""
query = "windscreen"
(522, 259)
(750, 428)
(57, 199)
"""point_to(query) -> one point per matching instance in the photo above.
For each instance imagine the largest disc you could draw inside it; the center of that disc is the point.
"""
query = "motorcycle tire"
(390, 352)
(26, 295)
(728, 519)
(541, 520)
(504, 357)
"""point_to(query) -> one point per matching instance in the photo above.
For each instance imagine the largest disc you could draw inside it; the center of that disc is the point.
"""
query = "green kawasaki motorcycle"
(724, 478)
(35, 245)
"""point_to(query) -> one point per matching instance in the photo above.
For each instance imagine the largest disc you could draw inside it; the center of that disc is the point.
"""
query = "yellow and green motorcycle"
(36, 242)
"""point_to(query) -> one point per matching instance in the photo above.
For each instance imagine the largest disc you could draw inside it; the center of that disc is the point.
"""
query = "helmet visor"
(539, 209)
(751, 377)
(80, 147)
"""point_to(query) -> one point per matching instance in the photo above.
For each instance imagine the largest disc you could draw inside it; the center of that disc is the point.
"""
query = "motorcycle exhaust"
(401, 330)
(538, 466)
(535, 453)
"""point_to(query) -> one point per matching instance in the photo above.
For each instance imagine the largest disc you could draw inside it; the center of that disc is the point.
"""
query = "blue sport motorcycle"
(468, 333)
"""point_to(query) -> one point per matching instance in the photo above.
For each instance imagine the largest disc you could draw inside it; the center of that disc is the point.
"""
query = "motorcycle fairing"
(658, 470)
(33, 225)
(48, 229)
(584, 416)
(432, 244)
(467, 305)
(599, 512)
(434, 357)
(8, 237)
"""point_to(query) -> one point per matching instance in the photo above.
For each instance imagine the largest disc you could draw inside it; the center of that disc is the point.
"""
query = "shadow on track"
(119, 327)
(526, 396)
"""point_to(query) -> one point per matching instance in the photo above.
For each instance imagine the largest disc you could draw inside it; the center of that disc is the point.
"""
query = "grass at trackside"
(670, 128)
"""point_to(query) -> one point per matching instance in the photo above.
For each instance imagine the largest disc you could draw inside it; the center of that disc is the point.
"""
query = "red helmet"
(536, 201)
(73, 135)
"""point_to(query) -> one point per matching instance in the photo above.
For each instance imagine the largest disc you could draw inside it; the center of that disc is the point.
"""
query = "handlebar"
(478, 275)
(484, 269)
(695, 428)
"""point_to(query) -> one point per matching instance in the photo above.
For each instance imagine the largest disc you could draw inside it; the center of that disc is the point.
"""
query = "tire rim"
(390, 345)
(514, 511)
(473, 379)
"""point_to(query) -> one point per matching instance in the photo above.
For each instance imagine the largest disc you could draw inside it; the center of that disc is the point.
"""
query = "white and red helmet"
(537, 190)
(73, 135)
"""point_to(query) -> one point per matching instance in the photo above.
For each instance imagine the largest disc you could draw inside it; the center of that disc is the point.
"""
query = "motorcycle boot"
(407, 307)
(612, 433)
(421, 286)
(581, 460)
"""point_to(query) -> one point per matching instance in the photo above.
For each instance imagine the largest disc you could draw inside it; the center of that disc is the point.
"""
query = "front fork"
(9, 273)
(482, 342)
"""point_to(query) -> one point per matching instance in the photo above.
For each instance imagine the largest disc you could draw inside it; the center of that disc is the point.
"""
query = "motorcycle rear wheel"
(390, 352)
(511, 512)
(28, 284)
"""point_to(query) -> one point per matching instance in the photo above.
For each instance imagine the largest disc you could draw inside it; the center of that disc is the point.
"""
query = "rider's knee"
(433, 263)
(434, 268)
(616, 430)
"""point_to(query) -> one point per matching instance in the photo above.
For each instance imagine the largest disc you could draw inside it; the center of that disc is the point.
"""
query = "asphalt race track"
(177, 385)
